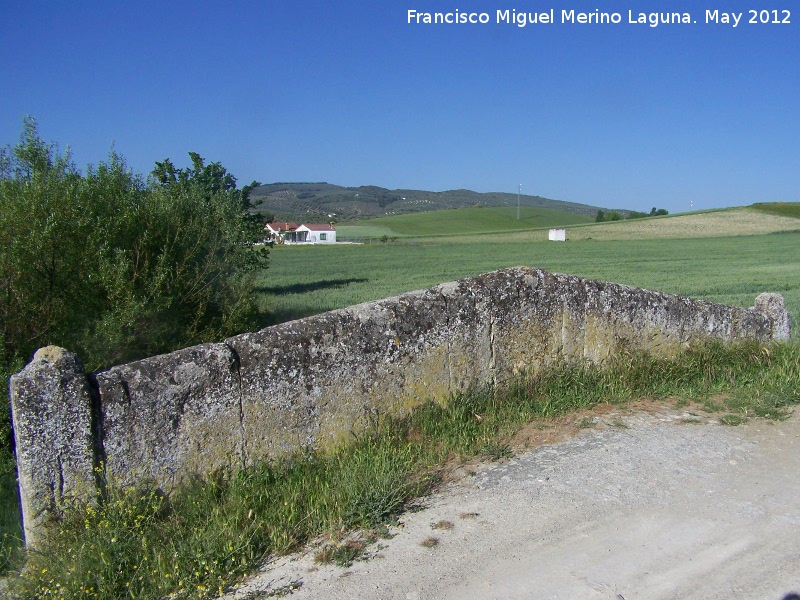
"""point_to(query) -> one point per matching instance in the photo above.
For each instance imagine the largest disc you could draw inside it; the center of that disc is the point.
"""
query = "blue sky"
(620, 115)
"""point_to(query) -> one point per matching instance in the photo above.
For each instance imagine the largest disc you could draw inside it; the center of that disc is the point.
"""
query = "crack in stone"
(98, 433)
(451, 384)
(60, 479)
(492, 347)
(237, 364)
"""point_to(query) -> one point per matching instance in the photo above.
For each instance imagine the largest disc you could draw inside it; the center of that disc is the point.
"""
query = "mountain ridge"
(326, 201)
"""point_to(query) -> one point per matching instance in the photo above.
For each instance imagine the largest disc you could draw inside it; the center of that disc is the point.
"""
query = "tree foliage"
(246, 192)
(115, 266)
(601, 217)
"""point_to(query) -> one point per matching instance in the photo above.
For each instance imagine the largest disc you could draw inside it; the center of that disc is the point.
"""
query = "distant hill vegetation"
(784, 209)
(324, 201)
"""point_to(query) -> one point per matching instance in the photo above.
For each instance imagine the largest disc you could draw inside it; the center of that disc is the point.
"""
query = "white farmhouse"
(315, 233)
(281, 232)
(558, 235)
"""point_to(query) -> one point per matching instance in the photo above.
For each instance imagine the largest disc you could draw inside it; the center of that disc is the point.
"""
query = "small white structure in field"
(315, 233)
(558, 235)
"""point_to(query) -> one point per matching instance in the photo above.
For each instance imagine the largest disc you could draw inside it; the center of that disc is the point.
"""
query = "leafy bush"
(115, 266)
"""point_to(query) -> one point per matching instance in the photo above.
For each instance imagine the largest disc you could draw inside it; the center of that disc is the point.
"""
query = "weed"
(278, 592)
(760, 403)
(585, 422)
(285, 590)
(732, 420)
(619, 423)
(342, 555)
(496, 451)
(429, 542)
(468, 515)
(446, 525)
(710, 406)
(382, 531)
(325, 555)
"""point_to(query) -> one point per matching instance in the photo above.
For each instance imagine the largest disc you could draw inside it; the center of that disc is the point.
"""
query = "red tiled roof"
(285, 226)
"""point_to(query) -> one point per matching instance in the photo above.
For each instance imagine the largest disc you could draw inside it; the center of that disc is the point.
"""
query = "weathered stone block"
(311, 383)
(51, 404)
(772, 305)
(169, 416)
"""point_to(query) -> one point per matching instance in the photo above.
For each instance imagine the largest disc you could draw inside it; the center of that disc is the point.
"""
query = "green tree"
(600, 217)
(116, 267)
(246, 191)
(212, 178)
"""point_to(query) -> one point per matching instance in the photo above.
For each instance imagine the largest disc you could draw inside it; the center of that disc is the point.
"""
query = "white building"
(315, 233)
(558, 235)
(281, 232)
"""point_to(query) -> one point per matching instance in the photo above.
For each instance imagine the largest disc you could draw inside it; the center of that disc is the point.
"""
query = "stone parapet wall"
(308, 384)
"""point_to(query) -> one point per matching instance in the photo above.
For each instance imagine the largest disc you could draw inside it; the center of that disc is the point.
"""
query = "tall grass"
(10, 526)
(195, 543)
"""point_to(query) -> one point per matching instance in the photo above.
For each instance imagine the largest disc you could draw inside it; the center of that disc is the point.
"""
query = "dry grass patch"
(725, 223)
(721, 223)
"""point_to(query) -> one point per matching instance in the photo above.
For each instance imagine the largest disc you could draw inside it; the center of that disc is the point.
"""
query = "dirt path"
(642, 506)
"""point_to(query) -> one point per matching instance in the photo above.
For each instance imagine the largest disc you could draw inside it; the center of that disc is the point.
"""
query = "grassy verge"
(201, 539)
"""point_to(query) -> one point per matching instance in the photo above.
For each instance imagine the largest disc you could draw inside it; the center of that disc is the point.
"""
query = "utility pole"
(519, 191)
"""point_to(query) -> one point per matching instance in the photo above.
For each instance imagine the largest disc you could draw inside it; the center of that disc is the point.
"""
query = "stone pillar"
(771, 304)
(51, 404)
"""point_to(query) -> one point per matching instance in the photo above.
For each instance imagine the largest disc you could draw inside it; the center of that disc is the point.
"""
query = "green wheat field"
(727, 256)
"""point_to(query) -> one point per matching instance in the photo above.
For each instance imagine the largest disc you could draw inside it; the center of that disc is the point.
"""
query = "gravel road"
(642, 506)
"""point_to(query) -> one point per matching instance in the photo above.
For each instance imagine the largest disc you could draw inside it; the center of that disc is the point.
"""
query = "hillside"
(461, 221)
(758, 219)
(783, 209)
(316, 201)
